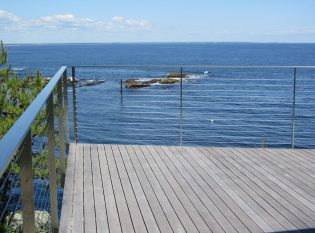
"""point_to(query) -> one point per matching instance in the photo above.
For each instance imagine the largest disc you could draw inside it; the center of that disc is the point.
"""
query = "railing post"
(75, 125)
(181, 108)
(121, 87)
(26, 176)
(52, 163)
(66, 109)
(293, 109)
(61, 131)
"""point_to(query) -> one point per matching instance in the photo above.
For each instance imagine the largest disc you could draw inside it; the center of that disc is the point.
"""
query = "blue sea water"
(220, 106)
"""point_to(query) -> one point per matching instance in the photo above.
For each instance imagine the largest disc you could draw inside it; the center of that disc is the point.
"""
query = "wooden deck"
(120, 188)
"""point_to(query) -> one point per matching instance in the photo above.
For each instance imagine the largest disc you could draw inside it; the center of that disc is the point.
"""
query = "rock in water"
(169, 80)
(176, 75)
(136, 83)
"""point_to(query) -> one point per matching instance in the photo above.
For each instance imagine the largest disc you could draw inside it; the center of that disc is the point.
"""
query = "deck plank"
(281, 168)
(229, 187)
(180, 173)
(296, 163)
(224, 216)
(247, 194)
(198, 213)
(289, 187)
(288, 168)
(100, 206)
(233, 213)
(146, 211)
(308, 154)
(121, 202)
(307, 157)
(295, 206)
(129, 194)
(67, 202)
(276, 210)
(78, 218)
(168, 191)
(88, 192)
(110, 201)
(161, 208)
(132, 188)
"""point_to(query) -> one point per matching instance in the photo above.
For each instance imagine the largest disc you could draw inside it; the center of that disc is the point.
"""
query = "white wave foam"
(143, 79)
(156, 84)
(197, 76)
(17, 68)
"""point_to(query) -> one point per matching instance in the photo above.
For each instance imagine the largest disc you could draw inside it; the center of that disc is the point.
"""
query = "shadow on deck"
(124, 188)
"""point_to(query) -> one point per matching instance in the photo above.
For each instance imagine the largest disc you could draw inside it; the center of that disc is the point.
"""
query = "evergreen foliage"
(16, 94)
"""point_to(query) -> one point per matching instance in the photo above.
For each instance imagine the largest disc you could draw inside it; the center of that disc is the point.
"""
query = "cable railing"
(256, 106)
(32, 167)
(266, 106)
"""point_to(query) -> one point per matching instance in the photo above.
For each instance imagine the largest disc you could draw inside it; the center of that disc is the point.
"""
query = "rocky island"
(171, 78)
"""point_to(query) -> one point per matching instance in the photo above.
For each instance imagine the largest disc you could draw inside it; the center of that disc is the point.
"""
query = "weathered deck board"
(110, 200)
(120, 188)
(88, 191)
(173, 199)
(273, 190)
(67, 202)
(213, 193)
(99, 198)
(268, 200)
(146, 211)
(201, 204)
(120, 197)
(161, 209)
(78, 202)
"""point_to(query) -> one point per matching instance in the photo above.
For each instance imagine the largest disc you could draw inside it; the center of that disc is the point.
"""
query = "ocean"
(212, 107)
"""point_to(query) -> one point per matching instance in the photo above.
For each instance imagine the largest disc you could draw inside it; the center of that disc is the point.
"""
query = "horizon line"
(186, 42)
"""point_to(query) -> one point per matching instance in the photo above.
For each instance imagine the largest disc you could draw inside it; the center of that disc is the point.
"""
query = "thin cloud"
(118, 19)
(8, 16)
(10, 21)
(131, 23)
(66, 20)
(138, 23)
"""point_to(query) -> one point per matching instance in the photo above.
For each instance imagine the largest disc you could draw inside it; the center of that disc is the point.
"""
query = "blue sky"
(76, 21)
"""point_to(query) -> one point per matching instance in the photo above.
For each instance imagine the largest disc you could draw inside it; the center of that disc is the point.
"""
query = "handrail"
(19, 140)
(13, 139)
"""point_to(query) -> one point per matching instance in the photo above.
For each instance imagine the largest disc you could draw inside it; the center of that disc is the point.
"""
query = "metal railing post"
(61, 132)
(293, 109)
(52, 163)
(26, 176)
(181, 107)
(75, 125)
(121, 87)
(66, 109)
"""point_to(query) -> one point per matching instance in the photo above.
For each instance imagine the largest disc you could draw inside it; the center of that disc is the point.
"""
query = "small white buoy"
(206, 72)
(212, 121)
